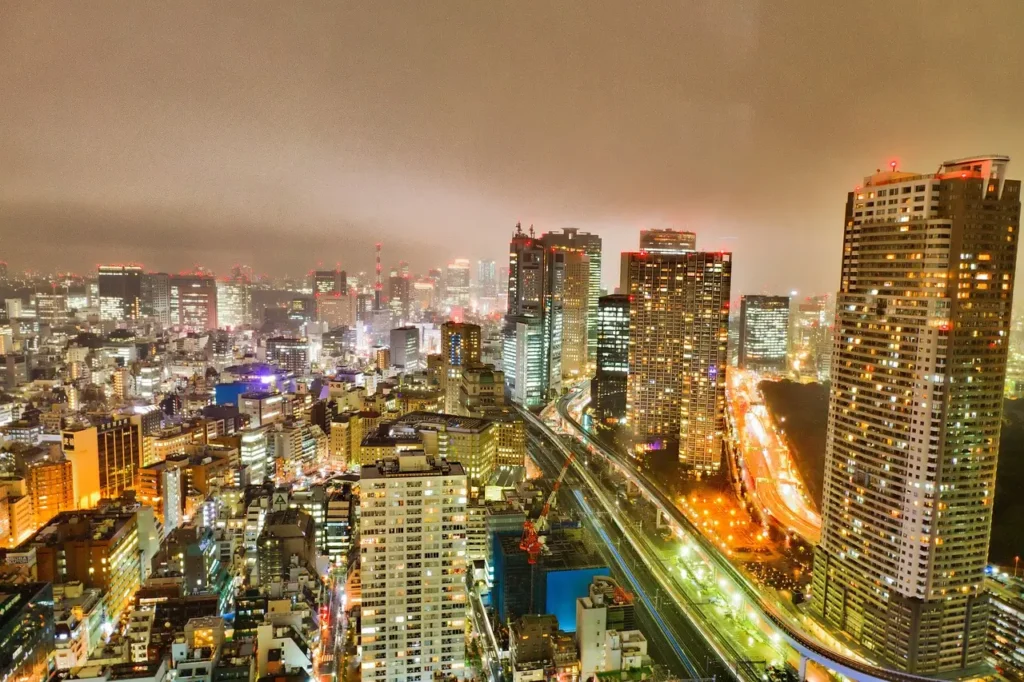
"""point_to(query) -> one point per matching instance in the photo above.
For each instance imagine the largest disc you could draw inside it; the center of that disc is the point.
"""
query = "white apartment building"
(413, 549)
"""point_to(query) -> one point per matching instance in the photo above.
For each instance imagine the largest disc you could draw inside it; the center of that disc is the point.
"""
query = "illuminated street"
(766, 464)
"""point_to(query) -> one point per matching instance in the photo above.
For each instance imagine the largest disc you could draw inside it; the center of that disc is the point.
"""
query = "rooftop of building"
(288, 523)
(411, 465)
(83, 524)
(451, 422)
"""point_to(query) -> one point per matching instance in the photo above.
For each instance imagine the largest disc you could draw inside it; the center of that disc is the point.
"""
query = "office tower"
(456, 284)
(460, 347)
(426, 498)
(194, 297)
(915, 408)
(120, 291)
(810, 338)
(679, 319)
(156, 297)
(337, 310)
(532, 334)
(575, 309)
(328, 282)
(487, 279)
(667, 241)
(405, 349)
(233, 303)
(572, 238)
(423, 294)
(105, 459)
(608, 387)
(3, 271)
(382, 357)
(764, 333)
(289, 353)
(400, 296)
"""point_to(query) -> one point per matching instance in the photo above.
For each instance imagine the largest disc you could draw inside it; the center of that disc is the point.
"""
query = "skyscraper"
(456, 284)
(233, 303)
(536, 282)
(156, 297)
(608, 388)
(572, 238)
(679, 319)
(764, 333)
(328, 282)
(575, 310)
(120, 288)
(400, 296)
(425, 499)
(194, 297)
(487, 279)
(460, 347)
(919, 358)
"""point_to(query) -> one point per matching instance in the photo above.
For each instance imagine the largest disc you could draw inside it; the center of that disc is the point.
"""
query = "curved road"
(792, 632)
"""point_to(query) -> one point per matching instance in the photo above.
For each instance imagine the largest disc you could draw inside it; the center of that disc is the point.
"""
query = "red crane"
(532, 543)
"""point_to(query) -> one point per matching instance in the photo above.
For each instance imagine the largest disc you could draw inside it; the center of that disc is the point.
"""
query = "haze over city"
(579, 341)
(214, 133)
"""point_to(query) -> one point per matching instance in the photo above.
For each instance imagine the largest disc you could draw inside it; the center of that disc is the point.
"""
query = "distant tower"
(378, 287)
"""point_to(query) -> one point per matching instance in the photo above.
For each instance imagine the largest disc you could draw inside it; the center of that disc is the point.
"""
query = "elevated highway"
(785, 624)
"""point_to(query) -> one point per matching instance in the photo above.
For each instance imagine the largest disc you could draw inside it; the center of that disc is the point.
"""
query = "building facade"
(915, 407)
(679, 320)
(427, 556)
(608, 388)
(764, 333)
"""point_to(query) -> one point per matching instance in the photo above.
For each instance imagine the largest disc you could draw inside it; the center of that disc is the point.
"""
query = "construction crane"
(532, 542)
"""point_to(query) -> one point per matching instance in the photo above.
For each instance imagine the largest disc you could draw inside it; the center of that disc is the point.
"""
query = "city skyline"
(194, 140)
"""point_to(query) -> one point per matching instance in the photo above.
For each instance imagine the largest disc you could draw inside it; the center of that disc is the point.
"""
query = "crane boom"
(532, 543)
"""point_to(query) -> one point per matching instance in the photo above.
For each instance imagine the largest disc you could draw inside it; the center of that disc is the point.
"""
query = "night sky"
(280, 134)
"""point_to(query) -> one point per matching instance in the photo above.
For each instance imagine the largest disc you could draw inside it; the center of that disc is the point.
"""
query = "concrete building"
(105, 459)
(679, 322)
(482, 388)
(194, 302)
(99, 548)
(915, 411)
(471, 441)
(608, 387)
(120, 289)
(288, 536)
(460, 347)
(405, 349)
(532, 333)
(764, 333)
(590, 244)
(289, 353)
(421, 559)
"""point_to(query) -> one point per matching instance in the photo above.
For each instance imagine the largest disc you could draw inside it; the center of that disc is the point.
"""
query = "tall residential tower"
(679, 323)
(919, 359)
